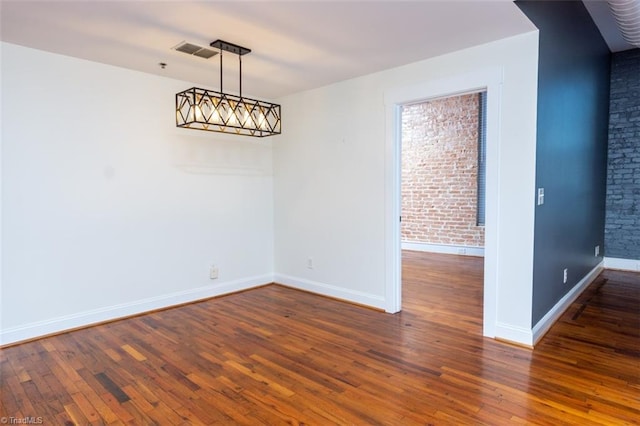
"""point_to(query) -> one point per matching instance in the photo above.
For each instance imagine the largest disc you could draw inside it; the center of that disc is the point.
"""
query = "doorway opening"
(443, 170)
(487, 80)
(443, 146)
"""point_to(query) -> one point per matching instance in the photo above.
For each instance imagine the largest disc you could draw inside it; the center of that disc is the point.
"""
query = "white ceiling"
(297, 45)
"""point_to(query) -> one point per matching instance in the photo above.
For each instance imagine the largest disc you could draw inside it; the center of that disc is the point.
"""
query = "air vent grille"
(205, 53)
(195, 50)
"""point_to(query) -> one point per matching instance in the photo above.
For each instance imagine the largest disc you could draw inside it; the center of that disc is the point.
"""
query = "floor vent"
(195, 50)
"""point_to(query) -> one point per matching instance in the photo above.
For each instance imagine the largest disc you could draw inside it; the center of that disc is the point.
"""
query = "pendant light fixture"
(213, 111)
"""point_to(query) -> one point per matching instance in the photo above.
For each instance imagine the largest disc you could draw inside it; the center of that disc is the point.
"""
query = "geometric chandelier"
(214, 111)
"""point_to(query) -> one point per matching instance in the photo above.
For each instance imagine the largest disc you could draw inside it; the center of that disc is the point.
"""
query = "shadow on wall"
(199, 152)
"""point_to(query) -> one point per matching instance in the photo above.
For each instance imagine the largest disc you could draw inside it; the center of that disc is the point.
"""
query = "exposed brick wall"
(439, 172)
(622, 225)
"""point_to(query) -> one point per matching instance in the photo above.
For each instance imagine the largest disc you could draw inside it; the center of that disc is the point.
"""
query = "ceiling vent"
(195, 50)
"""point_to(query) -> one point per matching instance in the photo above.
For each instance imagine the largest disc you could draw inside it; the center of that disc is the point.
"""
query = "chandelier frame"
(216, 111)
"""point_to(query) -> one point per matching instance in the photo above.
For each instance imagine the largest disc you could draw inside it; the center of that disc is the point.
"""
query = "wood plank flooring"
(274, 356)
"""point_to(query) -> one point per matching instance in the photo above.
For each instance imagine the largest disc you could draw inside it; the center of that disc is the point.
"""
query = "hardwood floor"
(280, 356)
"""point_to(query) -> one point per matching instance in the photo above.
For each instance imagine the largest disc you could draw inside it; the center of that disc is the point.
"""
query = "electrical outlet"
(565, 274)
(213, 273)
(310, 262)
(597, 251)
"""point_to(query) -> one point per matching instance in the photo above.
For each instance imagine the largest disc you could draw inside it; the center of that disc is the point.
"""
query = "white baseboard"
(444, 248)
(110, 313)
(336, 292)
(520, 335)
(552, 316)
(622, 264)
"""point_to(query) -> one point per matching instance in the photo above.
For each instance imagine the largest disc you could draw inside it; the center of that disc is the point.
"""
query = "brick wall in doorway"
(440, 172)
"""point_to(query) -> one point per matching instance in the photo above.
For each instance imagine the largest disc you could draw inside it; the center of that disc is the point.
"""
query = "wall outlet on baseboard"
(213, 273)
(597, 251)
(565, 275)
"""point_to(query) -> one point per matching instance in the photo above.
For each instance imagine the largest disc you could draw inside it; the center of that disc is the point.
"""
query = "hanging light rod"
(230, 47)
(209, 110)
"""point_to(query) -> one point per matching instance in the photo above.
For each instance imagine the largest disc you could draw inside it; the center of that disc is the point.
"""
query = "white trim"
(513, 334)
(489, 79)
(392, 206)
(444, 248)
(558, 309)
(336, 292)
(622, 264)
(110, 313)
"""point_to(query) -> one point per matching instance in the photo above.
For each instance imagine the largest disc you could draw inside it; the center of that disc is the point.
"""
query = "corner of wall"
(95, 215)
(542, 326)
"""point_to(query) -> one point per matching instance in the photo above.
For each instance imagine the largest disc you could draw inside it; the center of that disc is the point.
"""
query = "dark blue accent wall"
(622, 228)
(571, 153)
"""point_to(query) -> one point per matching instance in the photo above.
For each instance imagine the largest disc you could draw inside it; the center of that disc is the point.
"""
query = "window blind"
(482, 156)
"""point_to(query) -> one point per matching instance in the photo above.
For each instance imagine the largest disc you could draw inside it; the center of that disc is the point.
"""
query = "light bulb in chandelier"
(261, 121)
(246, 122)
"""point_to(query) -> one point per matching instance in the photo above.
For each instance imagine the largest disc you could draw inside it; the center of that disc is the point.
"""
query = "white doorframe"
(485, 79)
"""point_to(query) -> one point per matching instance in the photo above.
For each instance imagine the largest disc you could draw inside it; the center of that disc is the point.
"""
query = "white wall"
(107, 208)
(331, 191)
